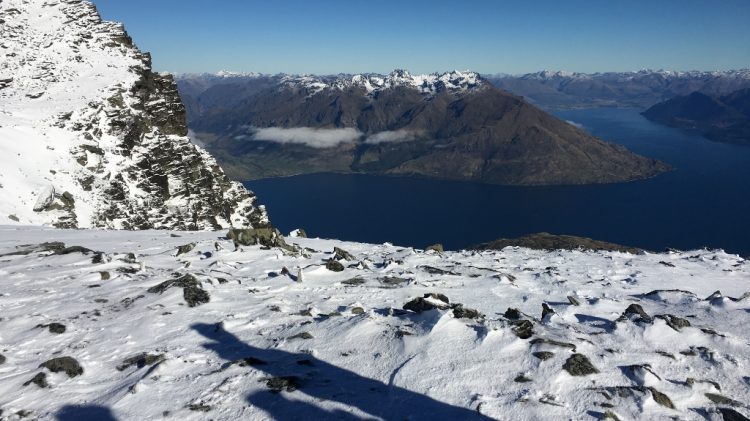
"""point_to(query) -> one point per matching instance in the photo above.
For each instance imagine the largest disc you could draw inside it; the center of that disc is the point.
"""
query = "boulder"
(579, 365)
(69, 365)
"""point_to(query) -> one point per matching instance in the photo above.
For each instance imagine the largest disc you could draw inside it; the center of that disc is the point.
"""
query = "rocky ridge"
(93, 137)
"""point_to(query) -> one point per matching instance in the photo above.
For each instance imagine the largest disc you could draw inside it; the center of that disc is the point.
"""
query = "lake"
(704, 202)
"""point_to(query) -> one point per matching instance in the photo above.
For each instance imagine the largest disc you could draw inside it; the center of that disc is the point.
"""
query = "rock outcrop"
(94, 137)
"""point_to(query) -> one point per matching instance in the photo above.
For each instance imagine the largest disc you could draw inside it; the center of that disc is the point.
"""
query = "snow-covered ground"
(338, 345)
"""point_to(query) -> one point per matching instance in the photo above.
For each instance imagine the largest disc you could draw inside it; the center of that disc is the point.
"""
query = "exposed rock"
(140, 360)
(436, 271)
(341, 254)
(67, 364)
(635, 313)
(661, 398)
(543, 355)
(193, 294)
(302, 335)
(420, 304)
(579, 365)
(56, 328)
(546, 241)
(722, 400)
(392, 281)
(104, 275)
(334, 265)
(524, 329)
(267, 236)
(553, 342)
(187, 248)
(573, 301)
(199, 407)
(40, 379)
(691, 381)
(358, 310)
(435, 247)
(461, 312)
(250, 362)
(279, 384)
(358, 280)
(547, 311)
(438, 296)
(512, 314)
(522, 379)
(2, 359)
(676, 323)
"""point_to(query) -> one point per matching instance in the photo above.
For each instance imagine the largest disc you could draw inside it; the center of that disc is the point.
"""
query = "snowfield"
(162, 325)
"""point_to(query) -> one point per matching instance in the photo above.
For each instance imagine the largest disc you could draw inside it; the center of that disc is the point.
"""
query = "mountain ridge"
(724, 118)
(453, 125)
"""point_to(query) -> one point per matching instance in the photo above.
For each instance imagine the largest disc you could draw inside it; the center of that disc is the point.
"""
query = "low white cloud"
(309, 136)
(393, 136)
(573, 123)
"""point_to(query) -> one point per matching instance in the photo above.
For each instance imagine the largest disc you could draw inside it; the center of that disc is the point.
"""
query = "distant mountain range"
(641, 89)
(454, 125)
(724, 118)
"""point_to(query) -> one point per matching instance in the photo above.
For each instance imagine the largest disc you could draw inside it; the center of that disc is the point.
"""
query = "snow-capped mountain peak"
(453, 82)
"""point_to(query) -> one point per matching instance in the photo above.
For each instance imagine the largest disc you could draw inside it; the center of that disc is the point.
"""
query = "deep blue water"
(704, 202)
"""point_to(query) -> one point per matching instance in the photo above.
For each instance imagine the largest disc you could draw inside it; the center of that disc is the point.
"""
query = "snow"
(429, 84)
(365, 357)
(67, 103)
(44, 54)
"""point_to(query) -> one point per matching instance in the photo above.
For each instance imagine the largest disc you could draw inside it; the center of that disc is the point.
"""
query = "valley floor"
(236, 336)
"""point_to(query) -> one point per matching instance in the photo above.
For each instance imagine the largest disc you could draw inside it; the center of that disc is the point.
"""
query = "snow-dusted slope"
(91, 137)
(338, 345)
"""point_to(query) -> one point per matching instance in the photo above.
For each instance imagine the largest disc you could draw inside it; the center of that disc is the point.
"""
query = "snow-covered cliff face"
(90, 136)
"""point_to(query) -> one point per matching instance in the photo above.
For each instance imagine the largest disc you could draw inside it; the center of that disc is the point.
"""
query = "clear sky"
(488, 36)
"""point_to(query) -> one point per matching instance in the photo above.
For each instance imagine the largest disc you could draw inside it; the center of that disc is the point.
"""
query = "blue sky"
(488, 36)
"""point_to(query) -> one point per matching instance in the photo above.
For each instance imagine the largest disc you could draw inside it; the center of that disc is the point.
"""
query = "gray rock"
(420, 305)
(512, 314)
(69, 365)
(303, 335)
(572, 300)
(187, 248)
(140, 360)
(524, 329)
(40, 379)
(579, 365)
(676, 323)
(635, 313)
(334, 265)
(661, 398)
(269, 237)
(288, 383)
(341, 254)
(461, 312)
(722, 400)
(57, 328)
(543, 355)
(547, 311)
(193, 294)
(435, 247)
(358, 280)
(358, 310)
(2, 359)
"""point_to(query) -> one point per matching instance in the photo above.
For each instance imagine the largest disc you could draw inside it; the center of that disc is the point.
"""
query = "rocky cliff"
(92, 137)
